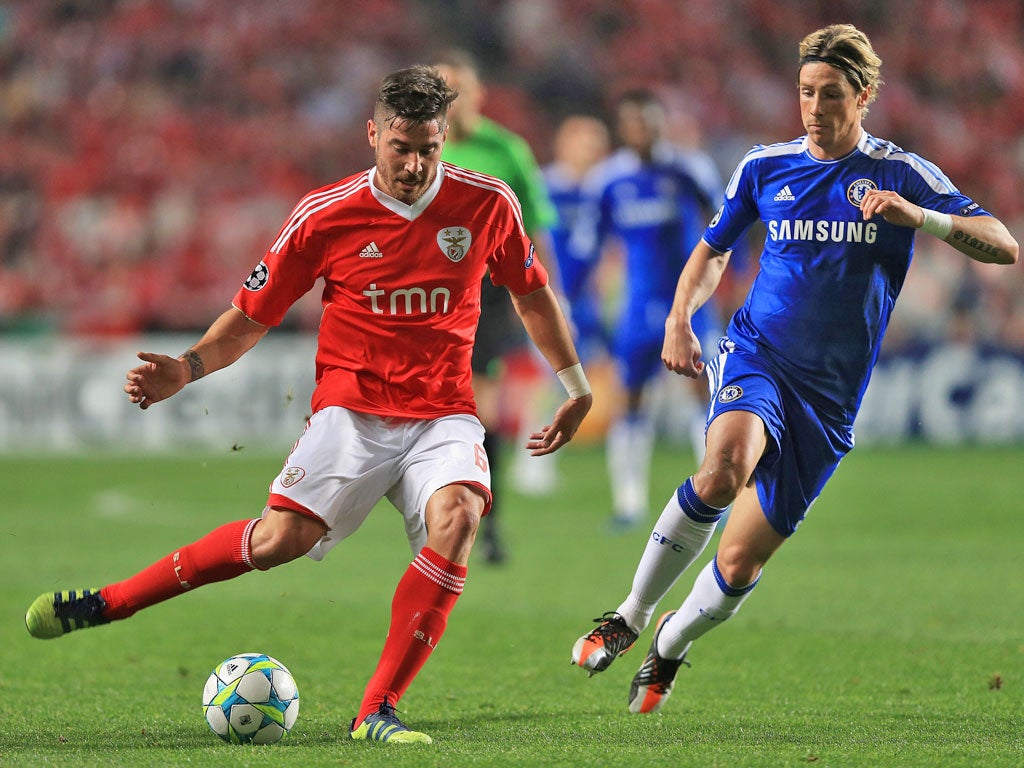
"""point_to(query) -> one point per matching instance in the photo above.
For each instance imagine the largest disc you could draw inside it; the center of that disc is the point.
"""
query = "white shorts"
(346, 462)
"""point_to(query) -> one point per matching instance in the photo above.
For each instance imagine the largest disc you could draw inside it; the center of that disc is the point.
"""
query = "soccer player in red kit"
(402, 248)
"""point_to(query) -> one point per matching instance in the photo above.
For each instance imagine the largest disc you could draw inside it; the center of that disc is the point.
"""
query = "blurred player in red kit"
(402, 248)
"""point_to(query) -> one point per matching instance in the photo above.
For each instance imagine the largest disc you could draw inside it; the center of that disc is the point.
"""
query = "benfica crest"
(454, 242)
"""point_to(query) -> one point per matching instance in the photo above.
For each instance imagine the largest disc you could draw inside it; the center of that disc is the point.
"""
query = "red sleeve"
(515, 264)
(275, 284)
(282, 277)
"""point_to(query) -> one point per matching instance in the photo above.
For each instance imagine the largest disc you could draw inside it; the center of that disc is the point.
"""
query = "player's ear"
(862, 97)
(371, 132)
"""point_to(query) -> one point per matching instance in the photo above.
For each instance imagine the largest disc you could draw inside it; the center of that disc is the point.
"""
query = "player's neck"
(835, 150)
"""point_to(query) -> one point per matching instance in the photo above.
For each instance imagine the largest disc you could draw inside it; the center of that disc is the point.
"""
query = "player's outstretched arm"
(703, 271)
(161, 376)
(983, 238)
(544, 322)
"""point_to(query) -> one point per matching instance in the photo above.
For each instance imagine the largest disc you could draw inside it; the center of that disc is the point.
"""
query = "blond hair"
(846, 48)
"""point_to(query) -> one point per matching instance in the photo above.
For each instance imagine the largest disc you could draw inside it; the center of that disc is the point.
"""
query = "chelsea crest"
(856, 191)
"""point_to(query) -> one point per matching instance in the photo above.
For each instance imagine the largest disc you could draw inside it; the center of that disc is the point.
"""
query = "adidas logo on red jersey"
(371, 252)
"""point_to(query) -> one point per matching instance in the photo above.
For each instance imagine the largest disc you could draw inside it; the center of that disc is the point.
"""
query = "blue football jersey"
(828, 280)
(575, 268)
(567, 195)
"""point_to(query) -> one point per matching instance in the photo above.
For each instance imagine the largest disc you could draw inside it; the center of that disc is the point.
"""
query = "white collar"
(409, 212)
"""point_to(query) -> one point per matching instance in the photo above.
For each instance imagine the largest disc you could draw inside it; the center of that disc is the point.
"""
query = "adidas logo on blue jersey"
(785, 194)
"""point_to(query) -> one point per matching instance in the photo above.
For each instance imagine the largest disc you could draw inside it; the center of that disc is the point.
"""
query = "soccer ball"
(251, 697)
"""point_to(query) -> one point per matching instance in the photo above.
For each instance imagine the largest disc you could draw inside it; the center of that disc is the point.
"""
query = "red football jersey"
(402, 287)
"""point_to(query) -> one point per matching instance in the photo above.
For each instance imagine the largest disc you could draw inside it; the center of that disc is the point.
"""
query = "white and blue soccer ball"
(251, 698)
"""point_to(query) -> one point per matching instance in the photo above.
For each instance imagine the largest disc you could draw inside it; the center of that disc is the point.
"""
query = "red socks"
(221, 554)
(423, 600)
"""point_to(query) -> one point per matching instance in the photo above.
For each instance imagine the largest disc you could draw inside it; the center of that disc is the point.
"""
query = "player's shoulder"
(910, 164)
(778, 151)
(319, 205)
(481, 183)
(770, 156)
(474, 185)
(762, 159)
(338, 191)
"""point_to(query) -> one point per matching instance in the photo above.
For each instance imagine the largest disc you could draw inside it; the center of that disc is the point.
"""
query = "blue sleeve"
(739, 210)
(929, 187)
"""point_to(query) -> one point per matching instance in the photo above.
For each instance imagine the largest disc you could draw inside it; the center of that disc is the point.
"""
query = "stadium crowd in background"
(151, 146)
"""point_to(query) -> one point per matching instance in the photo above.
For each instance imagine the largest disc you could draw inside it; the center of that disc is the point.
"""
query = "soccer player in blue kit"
(841, 209)
(654, 199)
(581, 141)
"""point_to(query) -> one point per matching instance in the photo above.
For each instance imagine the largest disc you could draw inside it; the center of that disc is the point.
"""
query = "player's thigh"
(746, 417)
(339, 469)
(736, 441)
(446, 451)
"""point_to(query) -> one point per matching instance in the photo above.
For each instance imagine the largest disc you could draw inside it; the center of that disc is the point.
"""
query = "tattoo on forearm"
(195, 364)
(978, 245)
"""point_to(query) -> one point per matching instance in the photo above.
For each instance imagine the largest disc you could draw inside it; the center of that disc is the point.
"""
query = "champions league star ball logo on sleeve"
(454, 242)
(258, 278)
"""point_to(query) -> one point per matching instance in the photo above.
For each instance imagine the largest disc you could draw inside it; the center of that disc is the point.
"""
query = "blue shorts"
(805, 446)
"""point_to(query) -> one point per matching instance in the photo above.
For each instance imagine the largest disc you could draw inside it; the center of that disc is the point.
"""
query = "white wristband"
(935, 223)
(574, 381)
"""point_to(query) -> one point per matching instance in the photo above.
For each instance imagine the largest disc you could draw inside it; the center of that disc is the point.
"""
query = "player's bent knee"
(719, 484)
(458, 523)
(282, 536)
(736, 570)
(723, 474)
(453, 515)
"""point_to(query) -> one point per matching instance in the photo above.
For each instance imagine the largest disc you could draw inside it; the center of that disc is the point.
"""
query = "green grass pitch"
(888, 632)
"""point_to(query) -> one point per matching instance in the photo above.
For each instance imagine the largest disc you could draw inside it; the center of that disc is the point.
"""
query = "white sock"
(629, 446)
(682, 532)
(710, 602)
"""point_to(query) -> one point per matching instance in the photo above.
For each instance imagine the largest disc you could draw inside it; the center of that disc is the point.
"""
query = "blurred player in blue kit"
(841, 209)
(580, 142)
(653, 199)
